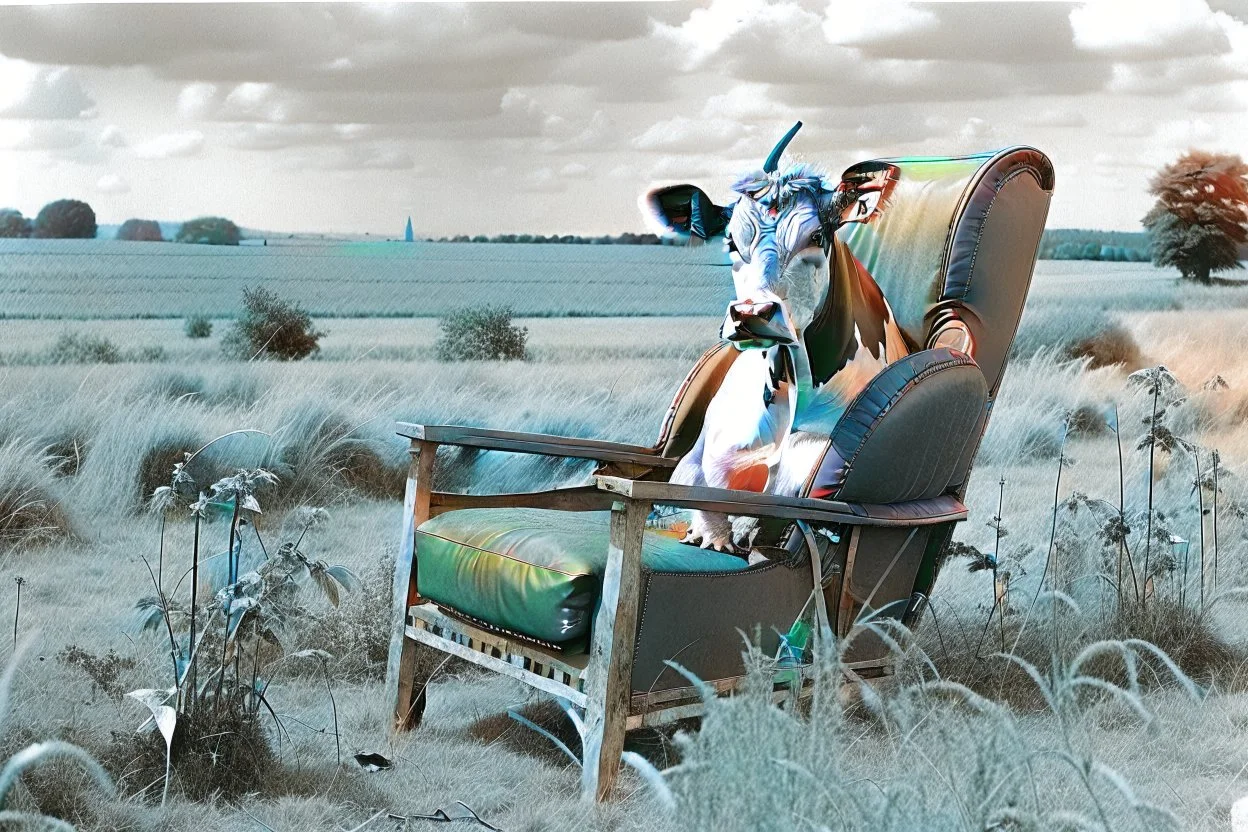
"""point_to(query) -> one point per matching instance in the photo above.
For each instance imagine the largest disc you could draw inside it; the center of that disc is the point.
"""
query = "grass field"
(89, 441)
(90, 279)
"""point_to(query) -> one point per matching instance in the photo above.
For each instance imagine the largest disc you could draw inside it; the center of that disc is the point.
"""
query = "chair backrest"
(958, 240)
(953, 251)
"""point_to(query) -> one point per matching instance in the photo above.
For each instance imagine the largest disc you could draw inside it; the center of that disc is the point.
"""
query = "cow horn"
(773, 159)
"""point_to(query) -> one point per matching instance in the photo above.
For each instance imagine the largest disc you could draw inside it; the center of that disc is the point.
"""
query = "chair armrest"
(752, 504)
(535, 443)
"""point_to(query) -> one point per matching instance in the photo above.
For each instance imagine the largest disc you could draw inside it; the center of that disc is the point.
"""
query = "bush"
(270, 328)
(13, 224)
(72, 348)
(140, 231)
(1113, 345)
(198, 326)
(212, 231)
(481, 334)
(66, 219)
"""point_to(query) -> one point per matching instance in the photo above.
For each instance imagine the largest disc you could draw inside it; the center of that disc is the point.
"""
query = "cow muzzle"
(760, 325)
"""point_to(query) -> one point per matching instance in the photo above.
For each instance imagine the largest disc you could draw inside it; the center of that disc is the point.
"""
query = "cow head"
(779, 234)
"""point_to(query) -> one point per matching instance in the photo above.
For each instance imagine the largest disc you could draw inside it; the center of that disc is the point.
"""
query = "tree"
(1201, 213)
(13, 224)
(213, 231)
(65, 219)
(141, 231)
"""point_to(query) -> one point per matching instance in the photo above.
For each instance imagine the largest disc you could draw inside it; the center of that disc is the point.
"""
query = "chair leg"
(609, 675)
(409, 704)
(401, 662)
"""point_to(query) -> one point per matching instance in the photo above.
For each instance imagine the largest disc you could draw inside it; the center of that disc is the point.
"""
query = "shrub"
(151, 354)
(358, 634)
(140, 231)
(72, 348)
(66, 219)
(13, 224)
(212, 231)
(198, 326)
(481, 334)
(1112, 345)
(270, 328)
(105, 670)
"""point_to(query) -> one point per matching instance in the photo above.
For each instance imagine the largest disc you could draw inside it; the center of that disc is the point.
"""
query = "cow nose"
(745, 310)
(754, 325)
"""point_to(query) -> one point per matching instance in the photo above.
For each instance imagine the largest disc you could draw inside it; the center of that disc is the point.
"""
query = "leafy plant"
(270, 328)
(224, 646)
(481, 334)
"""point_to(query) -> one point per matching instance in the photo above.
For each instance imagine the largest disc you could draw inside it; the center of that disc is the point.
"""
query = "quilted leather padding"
(536, 572)
(903, 437)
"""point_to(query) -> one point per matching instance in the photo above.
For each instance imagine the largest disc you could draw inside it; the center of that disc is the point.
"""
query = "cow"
(812, 325)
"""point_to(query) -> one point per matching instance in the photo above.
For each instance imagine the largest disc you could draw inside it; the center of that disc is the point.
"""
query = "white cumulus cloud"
(171, 146)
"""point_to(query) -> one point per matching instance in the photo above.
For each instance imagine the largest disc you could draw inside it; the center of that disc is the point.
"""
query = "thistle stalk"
(1152, 448)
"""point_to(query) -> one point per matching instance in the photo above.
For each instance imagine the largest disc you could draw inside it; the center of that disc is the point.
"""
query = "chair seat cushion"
(536, 572)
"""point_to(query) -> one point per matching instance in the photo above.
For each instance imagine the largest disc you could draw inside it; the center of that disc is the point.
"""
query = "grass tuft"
(30, 509)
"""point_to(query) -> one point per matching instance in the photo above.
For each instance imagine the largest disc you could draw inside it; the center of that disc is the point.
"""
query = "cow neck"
(829, 340)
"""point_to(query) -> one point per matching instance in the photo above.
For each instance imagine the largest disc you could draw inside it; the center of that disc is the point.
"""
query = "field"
(89, 442)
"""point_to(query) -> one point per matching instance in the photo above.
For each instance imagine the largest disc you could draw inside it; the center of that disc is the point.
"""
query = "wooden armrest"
(752, 504)
(536, 443)
(577, 498)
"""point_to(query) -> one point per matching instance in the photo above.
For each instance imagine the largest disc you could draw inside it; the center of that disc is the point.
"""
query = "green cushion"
(536, 571)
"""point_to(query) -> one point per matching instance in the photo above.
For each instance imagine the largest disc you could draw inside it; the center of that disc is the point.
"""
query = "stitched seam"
(494, 628)
(641, 621)
(979, 235)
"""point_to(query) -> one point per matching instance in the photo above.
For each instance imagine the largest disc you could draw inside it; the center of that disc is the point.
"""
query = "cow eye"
(816, 237)
(732, 245)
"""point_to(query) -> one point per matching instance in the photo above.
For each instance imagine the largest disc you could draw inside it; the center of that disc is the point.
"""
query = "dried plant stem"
(1216, 464)
(1152, 448)
(1200, 517)
(193, 659)
(1123, 550)
(17, 611)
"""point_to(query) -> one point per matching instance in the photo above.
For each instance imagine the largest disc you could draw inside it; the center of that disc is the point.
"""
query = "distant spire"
(407, 234)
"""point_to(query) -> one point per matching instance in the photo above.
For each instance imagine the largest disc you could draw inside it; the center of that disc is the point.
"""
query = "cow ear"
(863, 192)
(685, 211)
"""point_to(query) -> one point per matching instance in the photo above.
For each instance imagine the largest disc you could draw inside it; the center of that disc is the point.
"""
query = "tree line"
(1198, 224)
(73, 219)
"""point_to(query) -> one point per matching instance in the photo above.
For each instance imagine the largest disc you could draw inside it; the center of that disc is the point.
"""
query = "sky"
(554, 117)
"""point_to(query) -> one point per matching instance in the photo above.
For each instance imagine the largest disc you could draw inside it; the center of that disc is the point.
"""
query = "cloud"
(111, 183)
(35, 92)
(171, 146)
(111, 136)
(268, 137)
(1055, 118)
(1126, 29)
(686, 135)
(36, 136)
(356, 157)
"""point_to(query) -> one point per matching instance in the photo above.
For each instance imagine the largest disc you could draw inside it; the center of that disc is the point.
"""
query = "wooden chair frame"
(597, 685)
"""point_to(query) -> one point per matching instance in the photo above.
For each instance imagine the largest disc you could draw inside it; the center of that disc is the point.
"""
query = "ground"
(612, 378)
